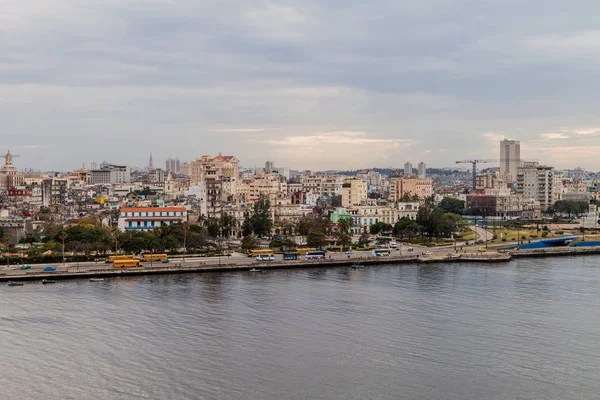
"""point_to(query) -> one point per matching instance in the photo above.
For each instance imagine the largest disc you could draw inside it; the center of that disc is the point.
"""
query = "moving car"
(49, 268)
(427, 253)
(25, 266)
(349, 252)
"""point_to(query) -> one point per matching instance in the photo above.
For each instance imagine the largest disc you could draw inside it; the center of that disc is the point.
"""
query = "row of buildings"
(216, 186)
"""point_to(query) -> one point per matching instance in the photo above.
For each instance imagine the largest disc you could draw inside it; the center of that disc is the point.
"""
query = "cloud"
(552, 136)
(385, 83)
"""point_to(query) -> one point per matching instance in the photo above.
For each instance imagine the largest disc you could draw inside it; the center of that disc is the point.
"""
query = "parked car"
(49, 268)
(349, 252)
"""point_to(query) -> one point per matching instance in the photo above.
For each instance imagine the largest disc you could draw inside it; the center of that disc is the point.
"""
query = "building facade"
(510, 159)
(149, 218)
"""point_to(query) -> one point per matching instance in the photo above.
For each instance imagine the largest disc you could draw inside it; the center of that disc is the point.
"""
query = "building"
(111, 175)
(173, 165)
(354, 192)
(415, 188)
(510, 159)
(422, 170)
(149, 218)
(408, 210)
(269, 167)
(408, 169)
(9, 175)
(536, 182)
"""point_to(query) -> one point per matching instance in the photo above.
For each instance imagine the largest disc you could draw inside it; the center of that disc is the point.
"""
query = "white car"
(349, 252)
(427, 253)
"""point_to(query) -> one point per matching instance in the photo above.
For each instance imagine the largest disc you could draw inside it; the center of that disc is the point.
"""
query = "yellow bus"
(154, 257)
(303, 250)
(256, 253)
(131, 263)
(111, 259)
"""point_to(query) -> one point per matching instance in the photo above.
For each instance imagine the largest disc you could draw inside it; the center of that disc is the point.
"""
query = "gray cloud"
(117, 80)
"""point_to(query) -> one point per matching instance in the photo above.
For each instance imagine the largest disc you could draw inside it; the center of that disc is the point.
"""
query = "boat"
(356, 266)
(255, 270)
(96, 279)
(44, 281)
(11, 283)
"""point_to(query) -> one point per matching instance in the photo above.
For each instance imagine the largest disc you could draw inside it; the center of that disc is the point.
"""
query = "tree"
(364, 238)
(380, 227)
(336, 201)
(249, 242)
(261, 220)
(246, 226)
(452, 205)
(316, 239)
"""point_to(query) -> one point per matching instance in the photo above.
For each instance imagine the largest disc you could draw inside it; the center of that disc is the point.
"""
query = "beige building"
(9, 175)
(411, 187)
(354, 191)
(510, 159)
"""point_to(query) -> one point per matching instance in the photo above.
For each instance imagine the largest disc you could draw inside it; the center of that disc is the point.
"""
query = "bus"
(127, 263)
(111, 259)
(381, 252)
(154, 257)
(263, 252)
(315, 255)
(265, 257)
(304, 250)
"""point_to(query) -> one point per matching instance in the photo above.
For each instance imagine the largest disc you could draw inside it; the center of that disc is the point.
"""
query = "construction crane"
(475, 162)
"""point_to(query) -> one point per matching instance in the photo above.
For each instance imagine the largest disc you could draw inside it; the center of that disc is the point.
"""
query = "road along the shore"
(481, 258)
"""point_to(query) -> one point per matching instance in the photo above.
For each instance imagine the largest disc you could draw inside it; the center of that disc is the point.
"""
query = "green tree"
(380, 227)
(452, 205)
(249, 242)
(316, 239)
(364, 238)
(261, 220)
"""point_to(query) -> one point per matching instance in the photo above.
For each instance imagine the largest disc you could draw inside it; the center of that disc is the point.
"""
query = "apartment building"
(354, 192)
(535, 181)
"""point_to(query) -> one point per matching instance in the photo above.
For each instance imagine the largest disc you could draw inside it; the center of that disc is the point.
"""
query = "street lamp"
(185, 229)
(63, 237)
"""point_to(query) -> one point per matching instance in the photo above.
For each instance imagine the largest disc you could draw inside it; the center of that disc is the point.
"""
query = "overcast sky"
(308, 84)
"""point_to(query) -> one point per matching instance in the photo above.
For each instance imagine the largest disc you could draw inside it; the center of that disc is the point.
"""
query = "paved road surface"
(236, 259)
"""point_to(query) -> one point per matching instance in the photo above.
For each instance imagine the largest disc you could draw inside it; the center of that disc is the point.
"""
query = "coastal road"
(238, 259)
(482, 233)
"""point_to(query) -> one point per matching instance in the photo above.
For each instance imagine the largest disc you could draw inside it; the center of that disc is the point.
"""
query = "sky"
(312, 84)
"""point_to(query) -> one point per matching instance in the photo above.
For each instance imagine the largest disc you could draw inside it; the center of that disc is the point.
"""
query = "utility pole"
(185, 229)
(63, 237)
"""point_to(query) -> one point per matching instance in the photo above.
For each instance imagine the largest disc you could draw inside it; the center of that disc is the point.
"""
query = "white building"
(536, 182)
(149, 218)
(408, 210)
(408, 168)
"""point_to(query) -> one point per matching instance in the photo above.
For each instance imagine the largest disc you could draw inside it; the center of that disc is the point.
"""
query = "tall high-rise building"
(510, 159)
(173, 165)
(269, 166)
(408, 168)
(422, 170)
(150, 163)
(93, 165)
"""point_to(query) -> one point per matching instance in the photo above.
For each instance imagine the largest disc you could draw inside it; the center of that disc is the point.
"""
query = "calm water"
(525, 330)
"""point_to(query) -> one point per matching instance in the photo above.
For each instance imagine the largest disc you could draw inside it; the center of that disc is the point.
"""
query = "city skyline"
(292, 82)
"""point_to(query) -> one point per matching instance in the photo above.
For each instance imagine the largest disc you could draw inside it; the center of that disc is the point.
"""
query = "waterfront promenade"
(102, 271)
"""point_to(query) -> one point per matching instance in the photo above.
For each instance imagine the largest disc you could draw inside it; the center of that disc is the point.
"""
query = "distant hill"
(389, 171)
